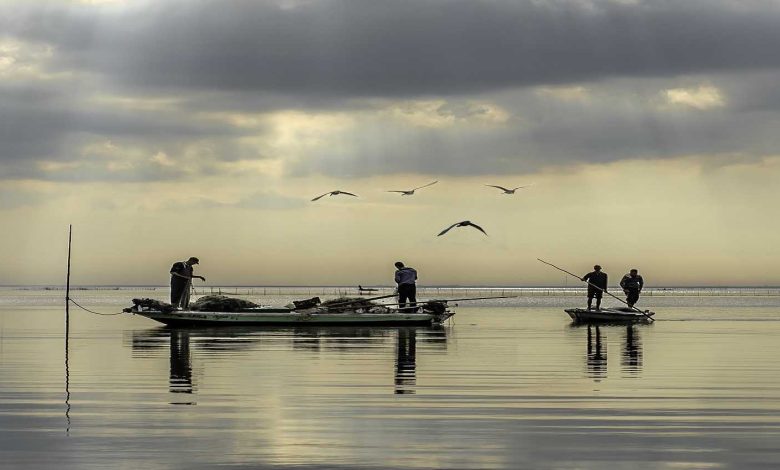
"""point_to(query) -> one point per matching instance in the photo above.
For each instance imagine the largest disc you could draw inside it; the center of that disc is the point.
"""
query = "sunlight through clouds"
(212, 114)
(20, 60)
(703, 97)
(443, 113)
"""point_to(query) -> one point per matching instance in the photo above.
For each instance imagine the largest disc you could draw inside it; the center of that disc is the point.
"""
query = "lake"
(508, 383)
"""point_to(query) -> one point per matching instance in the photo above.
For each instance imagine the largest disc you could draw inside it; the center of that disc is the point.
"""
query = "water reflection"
(406, 361)
(180, 377)
(597, 355)
(632, 353)
(182, 342)
(596, 351)
(67, 368)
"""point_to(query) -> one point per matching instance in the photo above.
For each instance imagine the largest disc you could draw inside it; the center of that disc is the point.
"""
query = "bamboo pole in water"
(67, 335)
(67, 279)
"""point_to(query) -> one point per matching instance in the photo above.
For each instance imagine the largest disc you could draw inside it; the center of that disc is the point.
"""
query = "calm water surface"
(508, 384)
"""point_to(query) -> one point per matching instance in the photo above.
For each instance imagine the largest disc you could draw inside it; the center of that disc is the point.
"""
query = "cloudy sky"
(649, 131)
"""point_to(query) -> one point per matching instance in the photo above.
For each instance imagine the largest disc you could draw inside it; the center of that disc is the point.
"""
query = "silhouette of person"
(597, 285)
(632, 284)
(181, 279)
(406, 278)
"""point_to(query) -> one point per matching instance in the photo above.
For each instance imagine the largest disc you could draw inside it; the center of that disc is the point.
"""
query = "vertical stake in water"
(67, 335)
(67, 279)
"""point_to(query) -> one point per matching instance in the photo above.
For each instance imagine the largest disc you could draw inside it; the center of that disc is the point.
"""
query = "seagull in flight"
(506, 190)
(411, 191)
(334, 193)
(465, 223)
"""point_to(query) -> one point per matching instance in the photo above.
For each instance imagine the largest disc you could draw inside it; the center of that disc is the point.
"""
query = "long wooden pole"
(67, 279)
(67, 335)
(423, 302)
(596, 287)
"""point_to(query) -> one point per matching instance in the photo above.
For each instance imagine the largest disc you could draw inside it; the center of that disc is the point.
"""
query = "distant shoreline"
(384, 287)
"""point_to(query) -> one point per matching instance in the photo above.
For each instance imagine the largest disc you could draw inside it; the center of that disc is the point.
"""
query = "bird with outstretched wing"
(465, 223)
(333, 193)
(507, 190)
(410, 192)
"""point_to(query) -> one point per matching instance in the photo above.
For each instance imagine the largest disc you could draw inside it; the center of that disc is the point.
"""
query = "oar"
(597, 287)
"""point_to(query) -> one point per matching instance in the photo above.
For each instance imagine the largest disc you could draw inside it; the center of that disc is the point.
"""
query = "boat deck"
(281, 316)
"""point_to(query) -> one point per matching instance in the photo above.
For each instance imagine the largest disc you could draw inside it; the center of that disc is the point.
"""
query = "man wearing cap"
(181, 278)
(597, 285)
(406, 278)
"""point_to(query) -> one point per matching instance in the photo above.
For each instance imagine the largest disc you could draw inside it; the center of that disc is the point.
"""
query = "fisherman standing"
(597, 285)
(632, 284)
(181, 279)
(406, 278)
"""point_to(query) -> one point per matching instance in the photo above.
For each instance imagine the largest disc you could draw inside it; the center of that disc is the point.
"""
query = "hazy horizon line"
(376, 286)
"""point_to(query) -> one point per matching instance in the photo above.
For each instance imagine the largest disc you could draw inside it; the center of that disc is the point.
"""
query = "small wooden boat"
(609, 315)
(284, 316)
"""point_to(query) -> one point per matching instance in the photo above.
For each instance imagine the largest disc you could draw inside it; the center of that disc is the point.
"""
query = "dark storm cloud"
(615, 121)
(255, 57)
(36, 118)
(403, 47)
(53, 121)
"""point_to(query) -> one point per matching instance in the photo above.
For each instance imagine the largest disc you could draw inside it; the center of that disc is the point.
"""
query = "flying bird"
(334, 193)
(506, 190)
(411, 191)
(465, 223)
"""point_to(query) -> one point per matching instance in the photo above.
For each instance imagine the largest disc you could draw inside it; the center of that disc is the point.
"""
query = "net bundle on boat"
(221, 303)
(150, 304)
(349, 304)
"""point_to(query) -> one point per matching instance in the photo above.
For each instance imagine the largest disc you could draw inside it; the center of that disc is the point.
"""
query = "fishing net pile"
(150, 304)
(221, 303)
(343, 304)
(434, 306)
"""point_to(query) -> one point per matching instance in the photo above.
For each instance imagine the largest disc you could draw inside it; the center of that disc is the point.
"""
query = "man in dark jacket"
(632, 284)
(181, 278)
(597, 285)
(406, 279)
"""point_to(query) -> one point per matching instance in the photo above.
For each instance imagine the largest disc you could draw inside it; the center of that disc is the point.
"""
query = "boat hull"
(581, 315)
(191, 318)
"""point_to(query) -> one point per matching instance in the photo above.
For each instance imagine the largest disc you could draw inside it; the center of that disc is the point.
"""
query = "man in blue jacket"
(406, 278)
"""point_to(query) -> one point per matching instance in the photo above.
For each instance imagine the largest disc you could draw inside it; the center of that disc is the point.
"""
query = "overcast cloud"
(174, 89)
(401, 47)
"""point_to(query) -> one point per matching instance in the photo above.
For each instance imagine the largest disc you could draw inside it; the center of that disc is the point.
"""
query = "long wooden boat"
(609, 315)
(285, 316)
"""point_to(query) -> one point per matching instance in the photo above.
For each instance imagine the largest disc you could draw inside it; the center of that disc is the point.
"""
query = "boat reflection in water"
(596, 352)
(184, 342)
